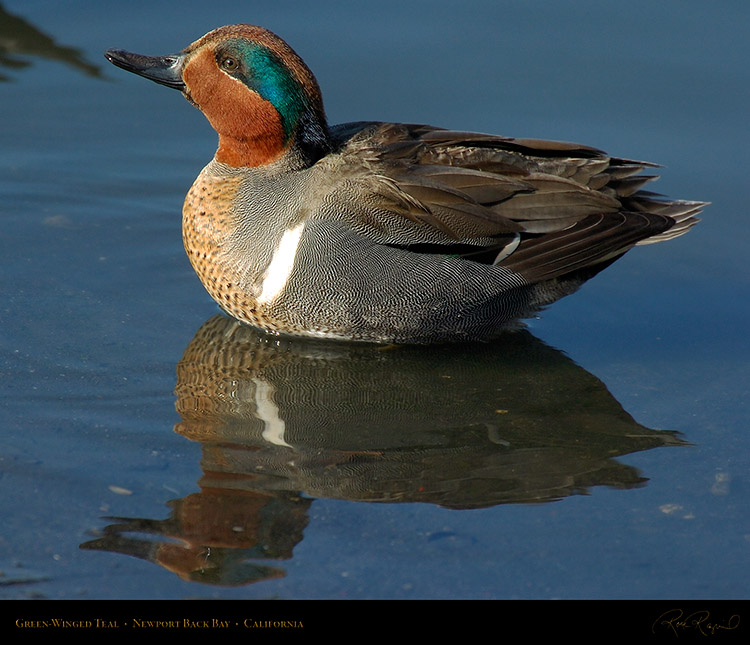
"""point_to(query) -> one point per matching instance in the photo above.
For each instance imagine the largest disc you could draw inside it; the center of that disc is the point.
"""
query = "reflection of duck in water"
(18, 38)
(220, 536)
(382, 231)
(282, 422)
(504, 422)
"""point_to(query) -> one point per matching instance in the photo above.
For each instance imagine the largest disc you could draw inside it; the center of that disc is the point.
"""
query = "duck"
(387, 232)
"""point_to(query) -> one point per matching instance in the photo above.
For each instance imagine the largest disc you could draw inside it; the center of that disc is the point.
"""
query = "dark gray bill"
(165, 70)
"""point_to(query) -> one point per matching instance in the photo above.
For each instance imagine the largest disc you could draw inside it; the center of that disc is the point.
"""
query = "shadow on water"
(20, 41)
(282, 422)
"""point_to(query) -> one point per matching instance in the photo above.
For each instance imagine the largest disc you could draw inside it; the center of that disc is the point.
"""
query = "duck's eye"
(229, 64)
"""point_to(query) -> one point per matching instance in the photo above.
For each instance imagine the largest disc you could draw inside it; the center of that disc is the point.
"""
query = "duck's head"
(256, 92)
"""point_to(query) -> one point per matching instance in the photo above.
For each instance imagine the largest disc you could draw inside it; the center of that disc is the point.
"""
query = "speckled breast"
(209, 226)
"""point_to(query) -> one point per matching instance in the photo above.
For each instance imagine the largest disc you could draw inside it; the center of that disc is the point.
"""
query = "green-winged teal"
(386, 232)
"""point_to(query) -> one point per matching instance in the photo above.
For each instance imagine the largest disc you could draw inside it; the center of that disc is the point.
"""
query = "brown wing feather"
(573, 205)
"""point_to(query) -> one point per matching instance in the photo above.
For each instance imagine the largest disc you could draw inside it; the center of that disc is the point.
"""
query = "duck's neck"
(242, 151)
(253, 146)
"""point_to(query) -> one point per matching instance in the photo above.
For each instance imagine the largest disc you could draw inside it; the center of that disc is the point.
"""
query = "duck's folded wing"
(525, 203)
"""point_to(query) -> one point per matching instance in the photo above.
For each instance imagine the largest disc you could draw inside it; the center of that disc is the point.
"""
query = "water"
(604, 455)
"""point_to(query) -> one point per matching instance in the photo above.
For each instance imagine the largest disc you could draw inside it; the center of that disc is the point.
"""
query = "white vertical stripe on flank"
(281, 265)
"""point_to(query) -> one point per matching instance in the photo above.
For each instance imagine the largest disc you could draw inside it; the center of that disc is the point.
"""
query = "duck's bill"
(165, 70)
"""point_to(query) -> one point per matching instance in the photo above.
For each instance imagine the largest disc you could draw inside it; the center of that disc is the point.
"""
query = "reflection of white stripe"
(268, 413)
(280, 269)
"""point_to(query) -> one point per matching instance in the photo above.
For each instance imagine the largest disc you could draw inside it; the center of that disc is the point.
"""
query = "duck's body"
(380, 231)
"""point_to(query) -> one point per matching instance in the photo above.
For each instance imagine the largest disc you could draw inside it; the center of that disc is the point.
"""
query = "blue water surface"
(545, 468)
